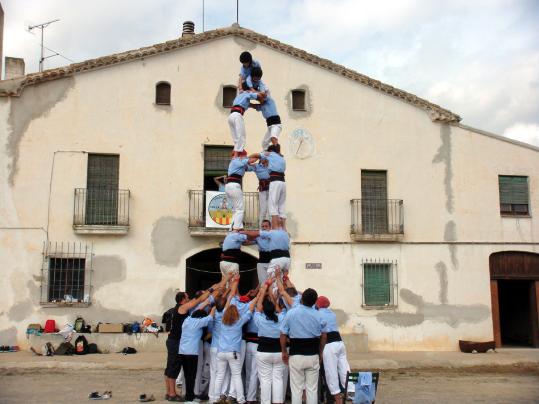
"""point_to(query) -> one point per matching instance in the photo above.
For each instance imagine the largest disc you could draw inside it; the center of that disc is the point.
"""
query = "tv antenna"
(42, 28)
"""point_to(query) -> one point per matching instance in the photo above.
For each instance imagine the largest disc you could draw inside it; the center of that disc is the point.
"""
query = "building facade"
(397, 212)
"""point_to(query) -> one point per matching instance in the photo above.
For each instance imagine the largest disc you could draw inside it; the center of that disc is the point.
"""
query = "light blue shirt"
(238, 165)
(303, 322)
(215, 328)
(276, 162)
(330, 318)
(242, 307)
(268, 328)
(278, 239)
(233, 240)
(263, 244)
(268, 108)
(230, 335)
(251, 326)
(192, 333)
(262, 172)
(245, 72)
(243, 99)
(296, 301)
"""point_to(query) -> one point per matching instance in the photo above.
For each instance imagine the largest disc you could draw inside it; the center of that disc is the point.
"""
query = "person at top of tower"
(247, 64)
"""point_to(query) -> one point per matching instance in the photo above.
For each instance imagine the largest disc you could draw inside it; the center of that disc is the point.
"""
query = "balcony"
(217, 221)
(377, 220)
(101, 211)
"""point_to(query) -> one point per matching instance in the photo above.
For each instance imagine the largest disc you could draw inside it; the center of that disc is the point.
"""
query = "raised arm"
(288, 299)
(233, 290)
(260, 300)
(184, 308)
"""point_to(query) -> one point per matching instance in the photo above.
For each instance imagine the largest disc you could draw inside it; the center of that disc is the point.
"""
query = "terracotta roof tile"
(11, 88)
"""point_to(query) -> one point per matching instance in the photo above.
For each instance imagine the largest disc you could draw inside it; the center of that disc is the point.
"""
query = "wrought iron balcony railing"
(101, 207)
(377, 217)
(220, 211)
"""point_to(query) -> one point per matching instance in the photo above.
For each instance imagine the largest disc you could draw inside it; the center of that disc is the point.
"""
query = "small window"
(513, 195)
(298, 100)
(162, 93)
(378, 283)
(229, 93)
(65, 273)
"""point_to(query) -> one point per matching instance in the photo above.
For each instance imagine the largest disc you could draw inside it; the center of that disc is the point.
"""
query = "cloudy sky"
(477, 58)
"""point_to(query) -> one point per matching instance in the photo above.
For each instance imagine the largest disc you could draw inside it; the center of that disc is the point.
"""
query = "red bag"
(50, 326)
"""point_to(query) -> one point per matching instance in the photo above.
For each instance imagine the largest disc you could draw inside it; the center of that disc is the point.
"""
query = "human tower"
(273, 332)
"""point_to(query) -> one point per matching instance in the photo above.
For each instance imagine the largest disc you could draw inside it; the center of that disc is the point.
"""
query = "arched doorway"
(202, 271)
(514, 286)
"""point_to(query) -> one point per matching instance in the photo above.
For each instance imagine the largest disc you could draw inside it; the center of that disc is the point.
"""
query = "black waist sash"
(265, 257)
(304, 346)
(266, 344)
(273, 120)
(232, 255)
(279, 253)
(276, 176)
(263, 185)
(251, 337)
(234, 178)
(237, 108)
(334, 336)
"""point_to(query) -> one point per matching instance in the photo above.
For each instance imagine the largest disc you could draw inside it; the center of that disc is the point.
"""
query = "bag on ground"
(92, 348)
(80, 324)
(81, 345)
(65, 348)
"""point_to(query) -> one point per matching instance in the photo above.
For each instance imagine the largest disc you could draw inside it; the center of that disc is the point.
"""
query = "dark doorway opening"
(515, 311)
(202, 271)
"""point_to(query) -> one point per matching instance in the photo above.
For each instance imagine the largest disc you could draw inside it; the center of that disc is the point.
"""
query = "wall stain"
(308, 103)
(442, 272)
(444, 156)
(20, 311)
(342, 317)
(450, 234)
(168, 240)
(107, 269)
(9, 336)
(246, 44)
(168, 299)
(34, 102)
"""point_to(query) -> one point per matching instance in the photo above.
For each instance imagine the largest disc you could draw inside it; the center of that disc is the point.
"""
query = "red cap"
(245, 299)
(322, 302)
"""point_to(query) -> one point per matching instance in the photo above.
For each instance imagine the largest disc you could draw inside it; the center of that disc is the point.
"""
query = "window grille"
(66, 274)
(162, 93)
(514, 197)
(298, 100)
(102, 198)
(380, 288)
(374, 207)
(216, 159)
(229, 93)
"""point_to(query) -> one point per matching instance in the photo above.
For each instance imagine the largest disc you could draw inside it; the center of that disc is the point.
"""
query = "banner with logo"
(218, 210)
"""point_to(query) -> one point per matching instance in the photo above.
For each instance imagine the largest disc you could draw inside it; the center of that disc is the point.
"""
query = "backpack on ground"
(80, 324)
(48, 349)
(81, 345)
(128, 350)
(92, 349)
(65, 348)
(135, 327)
(50, 326)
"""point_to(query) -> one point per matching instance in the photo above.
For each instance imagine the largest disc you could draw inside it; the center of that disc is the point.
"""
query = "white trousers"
(224, 360)
(304, 371)
(237, 130)
(262, 272)
(273, 131)
(234, 194)
(228, 267)
(271, 374)
(243, 348)
(214, 393)
(251, 371)
(263, 200)
(203, 369)
(282, 262)
(277, 199)
(336, 366)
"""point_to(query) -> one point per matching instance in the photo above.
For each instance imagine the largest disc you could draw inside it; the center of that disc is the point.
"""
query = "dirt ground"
(478, 385)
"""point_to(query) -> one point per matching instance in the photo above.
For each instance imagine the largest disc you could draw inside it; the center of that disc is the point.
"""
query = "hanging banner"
(218, 211)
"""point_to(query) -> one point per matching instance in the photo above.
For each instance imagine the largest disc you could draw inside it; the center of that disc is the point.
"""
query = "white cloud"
(524, 132)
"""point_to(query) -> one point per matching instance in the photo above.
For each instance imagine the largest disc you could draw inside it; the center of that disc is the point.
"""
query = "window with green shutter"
(377, 284)
(514, 197)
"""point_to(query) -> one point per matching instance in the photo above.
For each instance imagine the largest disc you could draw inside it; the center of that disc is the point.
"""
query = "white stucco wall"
(446, 175)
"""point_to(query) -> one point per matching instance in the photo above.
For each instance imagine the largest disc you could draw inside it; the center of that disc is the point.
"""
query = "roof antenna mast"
(237, 12)
(42, 28)
(203, 16)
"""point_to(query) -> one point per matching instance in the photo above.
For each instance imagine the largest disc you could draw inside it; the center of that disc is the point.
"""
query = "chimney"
(14, 68)
(188, 28)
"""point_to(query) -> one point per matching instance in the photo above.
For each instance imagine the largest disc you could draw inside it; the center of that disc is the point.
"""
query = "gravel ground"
(477, 385)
